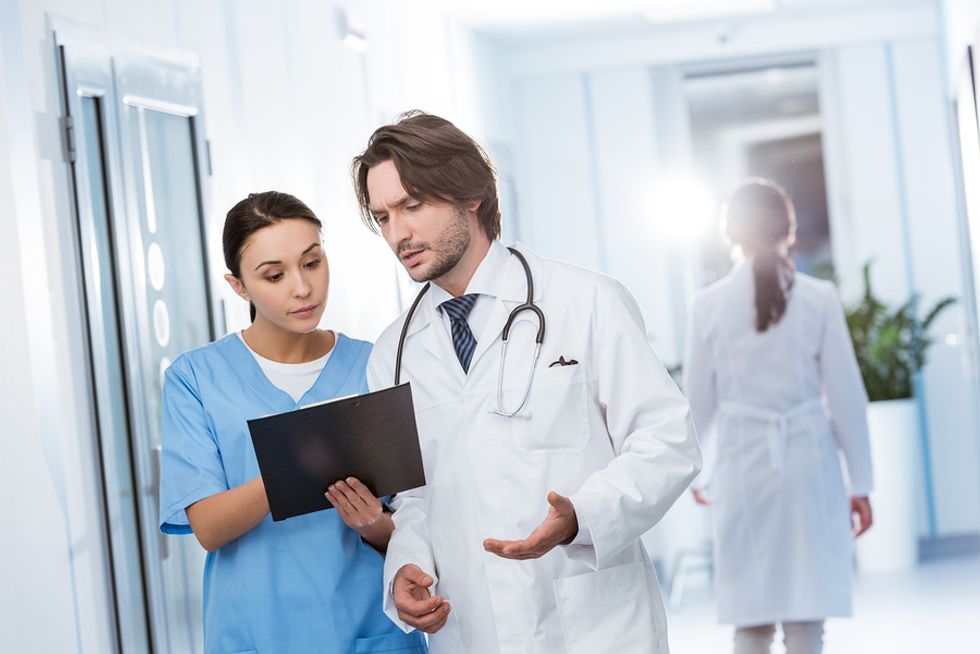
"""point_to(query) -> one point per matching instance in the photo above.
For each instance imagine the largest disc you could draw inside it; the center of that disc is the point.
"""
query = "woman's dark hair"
(253, 213)
(435, 160)
(760, 219)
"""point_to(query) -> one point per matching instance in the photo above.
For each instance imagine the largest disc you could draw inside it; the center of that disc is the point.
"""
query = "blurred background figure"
(776, 393)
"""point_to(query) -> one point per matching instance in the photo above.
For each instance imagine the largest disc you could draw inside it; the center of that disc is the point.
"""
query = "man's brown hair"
(435, 161)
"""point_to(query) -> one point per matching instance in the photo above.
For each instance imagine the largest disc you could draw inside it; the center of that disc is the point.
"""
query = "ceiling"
(520, 17)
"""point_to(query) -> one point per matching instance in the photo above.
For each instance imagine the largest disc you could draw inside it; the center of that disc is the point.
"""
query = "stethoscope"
(529, 305)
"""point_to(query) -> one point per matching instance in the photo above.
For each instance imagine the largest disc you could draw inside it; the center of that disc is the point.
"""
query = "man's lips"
(411, 257)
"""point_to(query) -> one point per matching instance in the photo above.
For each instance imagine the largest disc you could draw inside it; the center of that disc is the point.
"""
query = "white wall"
(937, 270)
(286, 106)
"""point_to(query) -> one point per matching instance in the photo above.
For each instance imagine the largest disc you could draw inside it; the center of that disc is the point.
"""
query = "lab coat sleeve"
(701, 388)
(845, 395)
(410, 542)
(190, 462)
(650, 430)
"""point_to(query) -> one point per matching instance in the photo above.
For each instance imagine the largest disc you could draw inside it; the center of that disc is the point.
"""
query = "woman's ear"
(238, 287)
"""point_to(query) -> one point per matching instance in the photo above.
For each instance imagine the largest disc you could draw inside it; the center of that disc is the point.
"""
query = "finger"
(516, 549)
(560, 502)
(339, 501)
(439, 625)
(423, 623)
(857, 520)
(362, 490)
(417, 608)
(351, 495)
(414, 574)
(865, 518)
(438, 620)
(432, 620)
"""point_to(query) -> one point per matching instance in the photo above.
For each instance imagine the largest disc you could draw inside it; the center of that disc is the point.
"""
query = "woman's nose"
(302, 287)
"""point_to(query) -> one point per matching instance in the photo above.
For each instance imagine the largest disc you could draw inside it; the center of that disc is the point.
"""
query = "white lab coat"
(613, 433)
(773, 410)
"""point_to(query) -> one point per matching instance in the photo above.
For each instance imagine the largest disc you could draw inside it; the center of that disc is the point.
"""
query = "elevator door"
(134, 135)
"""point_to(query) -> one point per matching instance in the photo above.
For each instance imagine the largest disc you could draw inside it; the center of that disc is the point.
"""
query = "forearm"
(221, 518)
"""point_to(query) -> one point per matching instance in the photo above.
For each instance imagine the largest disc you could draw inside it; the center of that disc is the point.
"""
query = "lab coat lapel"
(492, 330)
(511, 293)
(427, 333)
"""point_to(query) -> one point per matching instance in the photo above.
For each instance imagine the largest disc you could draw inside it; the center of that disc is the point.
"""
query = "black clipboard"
(372, 437)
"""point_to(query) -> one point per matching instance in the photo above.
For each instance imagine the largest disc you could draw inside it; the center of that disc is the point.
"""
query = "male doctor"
(526, 537)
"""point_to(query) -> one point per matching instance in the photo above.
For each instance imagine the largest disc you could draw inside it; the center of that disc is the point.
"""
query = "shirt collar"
(487, 278)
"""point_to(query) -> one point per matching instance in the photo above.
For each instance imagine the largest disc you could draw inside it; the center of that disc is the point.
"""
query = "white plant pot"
(892, 542)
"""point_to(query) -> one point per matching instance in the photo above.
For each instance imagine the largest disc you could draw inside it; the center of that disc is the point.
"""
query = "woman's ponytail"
(761, 220)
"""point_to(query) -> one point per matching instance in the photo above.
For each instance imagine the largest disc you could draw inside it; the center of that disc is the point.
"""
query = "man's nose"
(397, 232)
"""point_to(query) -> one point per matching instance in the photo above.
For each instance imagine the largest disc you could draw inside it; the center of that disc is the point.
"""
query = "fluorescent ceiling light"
(665, 11)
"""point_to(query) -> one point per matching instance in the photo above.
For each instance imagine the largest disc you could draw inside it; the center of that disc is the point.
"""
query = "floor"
(932, 609)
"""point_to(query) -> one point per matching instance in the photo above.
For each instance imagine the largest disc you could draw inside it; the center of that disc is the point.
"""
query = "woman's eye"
(312, 263)
(273, 278)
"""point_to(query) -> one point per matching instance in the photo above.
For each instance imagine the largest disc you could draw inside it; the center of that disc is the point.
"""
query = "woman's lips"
(305, 312)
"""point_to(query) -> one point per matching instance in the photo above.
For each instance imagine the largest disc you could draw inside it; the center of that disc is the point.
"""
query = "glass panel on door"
(108, 370)
(176, 303)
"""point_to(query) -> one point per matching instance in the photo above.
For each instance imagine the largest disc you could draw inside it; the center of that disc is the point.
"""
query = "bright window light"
(683, 209)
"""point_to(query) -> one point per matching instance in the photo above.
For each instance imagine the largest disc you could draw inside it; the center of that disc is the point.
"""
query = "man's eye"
(413, 207)
(273, 278)
(381, 220)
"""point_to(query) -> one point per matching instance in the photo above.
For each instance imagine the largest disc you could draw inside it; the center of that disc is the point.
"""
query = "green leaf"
(890, 345)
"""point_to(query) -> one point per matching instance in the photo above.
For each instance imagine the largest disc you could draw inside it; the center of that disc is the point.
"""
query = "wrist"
(379, 530)
(572, 529)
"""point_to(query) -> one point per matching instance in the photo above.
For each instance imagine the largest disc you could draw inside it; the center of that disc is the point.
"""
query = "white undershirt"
(292, 378)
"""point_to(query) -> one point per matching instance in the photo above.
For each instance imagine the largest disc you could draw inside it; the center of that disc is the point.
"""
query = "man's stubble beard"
(449, 249)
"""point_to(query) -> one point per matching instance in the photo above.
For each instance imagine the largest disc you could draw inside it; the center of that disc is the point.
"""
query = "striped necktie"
(457, 309)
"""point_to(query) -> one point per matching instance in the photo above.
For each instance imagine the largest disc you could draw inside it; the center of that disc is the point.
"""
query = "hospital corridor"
(633, 326)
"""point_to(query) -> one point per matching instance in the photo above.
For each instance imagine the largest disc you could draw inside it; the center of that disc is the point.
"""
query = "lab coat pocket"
(555, 421)
(607, 611)
(396, 643)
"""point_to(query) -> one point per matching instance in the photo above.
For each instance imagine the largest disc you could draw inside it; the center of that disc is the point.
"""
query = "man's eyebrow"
(306, 251)
(397, 204)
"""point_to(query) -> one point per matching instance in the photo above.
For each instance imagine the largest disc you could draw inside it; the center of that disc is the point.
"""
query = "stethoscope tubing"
(528, 305)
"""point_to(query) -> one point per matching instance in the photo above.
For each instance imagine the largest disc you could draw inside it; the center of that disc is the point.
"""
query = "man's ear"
(238, 287)
(473, 205)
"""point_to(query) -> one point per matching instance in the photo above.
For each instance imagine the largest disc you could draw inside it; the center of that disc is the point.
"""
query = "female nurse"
(776, 396)
(310, 583)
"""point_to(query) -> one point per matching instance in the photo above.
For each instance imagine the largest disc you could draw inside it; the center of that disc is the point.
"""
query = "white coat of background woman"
(776, 395)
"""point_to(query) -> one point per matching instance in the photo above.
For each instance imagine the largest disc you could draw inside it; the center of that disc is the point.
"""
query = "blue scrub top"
(306, 584)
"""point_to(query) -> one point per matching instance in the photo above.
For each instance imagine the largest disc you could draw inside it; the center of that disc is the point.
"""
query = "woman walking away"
(776, 394)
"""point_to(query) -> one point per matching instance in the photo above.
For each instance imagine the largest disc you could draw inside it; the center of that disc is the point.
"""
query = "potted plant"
(891, 348)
